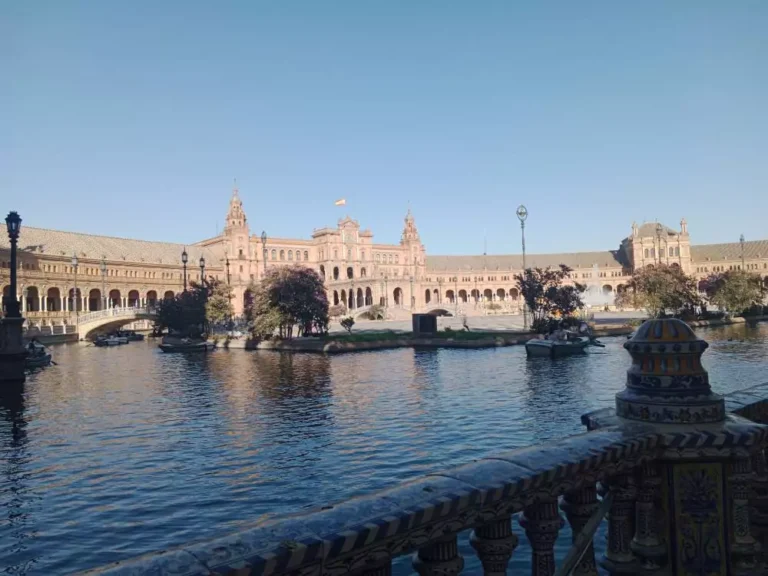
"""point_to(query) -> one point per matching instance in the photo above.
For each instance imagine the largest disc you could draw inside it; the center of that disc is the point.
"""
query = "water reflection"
(132, 450)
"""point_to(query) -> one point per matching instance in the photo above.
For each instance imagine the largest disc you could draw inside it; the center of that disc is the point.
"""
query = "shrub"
(347, 323)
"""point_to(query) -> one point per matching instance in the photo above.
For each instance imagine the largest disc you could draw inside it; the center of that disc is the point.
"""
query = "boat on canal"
(131, 335)
(111, 340)
(552, 348)
(187, 345)
(38, 356)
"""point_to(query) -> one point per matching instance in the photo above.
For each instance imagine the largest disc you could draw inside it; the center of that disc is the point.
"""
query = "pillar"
(64, 304)
(41, 306)
(12, 352)
(691, 512)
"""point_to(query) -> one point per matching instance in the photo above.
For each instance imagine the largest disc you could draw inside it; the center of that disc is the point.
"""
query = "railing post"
(618, 558)
(646, 543)
(579, 506)
(494, 542)
(542, 522)
(743, 545)
(439, 558)
(758, 513)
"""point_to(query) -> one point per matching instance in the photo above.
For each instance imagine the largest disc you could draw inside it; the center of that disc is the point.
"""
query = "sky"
(133, 118)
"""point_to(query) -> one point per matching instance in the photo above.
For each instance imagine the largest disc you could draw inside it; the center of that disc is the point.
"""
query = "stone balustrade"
(680, 471)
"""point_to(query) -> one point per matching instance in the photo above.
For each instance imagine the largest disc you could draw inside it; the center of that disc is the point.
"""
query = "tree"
(545, 295)
(347, 323)
(733, 291)
(288, 297)
(660, 289)
(218, 307)
(185, 313)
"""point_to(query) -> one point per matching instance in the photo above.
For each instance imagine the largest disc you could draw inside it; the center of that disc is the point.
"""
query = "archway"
(368, 297)
(363, 273)
(397, 294)
(168, 295)
(114, 298)
(151, 298)
(702, 285)
(335, 272)
(360, 298)
(350, 273)
(488, 295)
(53, 300)
(94, 300)
(335, 298)
(450, 296)
(344, 299)
(75, 300)
(463, 296)
(133, 298)
(247, 299)
(436, 295)
(514, 294)
(607, 290)
(500, 294)
(32, 299)
(475, 295)
(427, 296)
(322, 272)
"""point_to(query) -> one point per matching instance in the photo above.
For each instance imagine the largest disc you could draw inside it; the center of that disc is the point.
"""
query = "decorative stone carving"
(758, 511)
(440, 558)
(618, 558)
(542, 522)
(647, 544)
(666, 383)
(579, 506)
(743, 545)
(494, 543)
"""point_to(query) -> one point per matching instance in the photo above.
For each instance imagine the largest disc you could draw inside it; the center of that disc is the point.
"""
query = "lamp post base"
(12, 351)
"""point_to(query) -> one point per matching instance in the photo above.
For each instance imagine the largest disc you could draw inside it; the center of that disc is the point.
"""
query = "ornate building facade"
(358, 272)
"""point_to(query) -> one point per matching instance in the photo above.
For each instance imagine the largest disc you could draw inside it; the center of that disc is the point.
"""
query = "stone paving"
(489, 323)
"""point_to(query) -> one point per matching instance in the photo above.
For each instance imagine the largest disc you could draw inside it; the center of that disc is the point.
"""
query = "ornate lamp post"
(413, 300)
(522, 214)
(11, 304)
(439, 290)
(659, 230)
(184, 258)
(386, 291)
(264, 249)
(202, 270)
(741, 241)
(229, 294)
(74, 293)
(104, 281)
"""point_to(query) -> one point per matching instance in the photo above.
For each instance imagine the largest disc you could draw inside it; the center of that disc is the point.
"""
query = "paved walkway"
(490, 323)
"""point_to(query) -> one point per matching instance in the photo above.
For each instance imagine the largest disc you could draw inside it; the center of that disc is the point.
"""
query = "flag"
(340, 202)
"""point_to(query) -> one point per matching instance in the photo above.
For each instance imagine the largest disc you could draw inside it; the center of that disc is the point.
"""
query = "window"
(671, 251)
(349, 254)
(397, 259)
(282, 254)
(647, 253)
(377, 258)
(389, 258)
(362, 254)
(241, 269)
(290, 254)
(653, 252)
(335, 254)
(306, 256)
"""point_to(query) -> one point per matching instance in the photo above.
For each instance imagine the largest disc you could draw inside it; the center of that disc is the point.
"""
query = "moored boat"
(556, 348)
(38, 356)
(185, 345)
(110, 340)
(131, 335)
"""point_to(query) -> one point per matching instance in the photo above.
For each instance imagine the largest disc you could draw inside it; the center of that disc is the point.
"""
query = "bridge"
(676, 472)
(112, 318)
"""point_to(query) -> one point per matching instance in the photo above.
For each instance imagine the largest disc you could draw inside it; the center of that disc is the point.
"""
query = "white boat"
(110, 340)
(556, 348)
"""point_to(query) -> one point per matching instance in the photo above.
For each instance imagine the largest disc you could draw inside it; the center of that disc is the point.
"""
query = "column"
(579, 506)
(542, 522)
(63, 304)
(618, 558)
(494, 543)
(439, 558)
(646, 543)
(42, 302)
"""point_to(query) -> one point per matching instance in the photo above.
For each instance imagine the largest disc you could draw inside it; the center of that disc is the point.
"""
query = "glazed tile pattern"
(666, 383)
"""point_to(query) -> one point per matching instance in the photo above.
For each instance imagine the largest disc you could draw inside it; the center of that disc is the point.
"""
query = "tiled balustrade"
(684, 498)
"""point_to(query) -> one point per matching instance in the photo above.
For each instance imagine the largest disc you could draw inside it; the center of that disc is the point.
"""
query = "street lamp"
(11, 304)
(413, 300)
(74, 294)
(522, 214)
(202, 270)
(184, 258)
(439, 290)
(741, 241)
(229, 294)
(104, 281)
(264, 248)
(659, 230)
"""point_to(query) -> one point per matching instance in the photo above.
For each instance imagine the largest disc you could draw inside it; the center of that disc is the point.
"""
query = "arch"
(702, 285)
(290, 254)
(463, 296)
(95, 301)
(247, 298)
(427, 296)
(282, 254)
(151, 298)
(322, 272)
(450, 296)
(368, 297)
(115, 300)
(306, 256)
(75, 300)
(514, 293)
(335, 272)
(607, 289)
(397, 294)
(360, 298)
(350, 273)
(274, 254)
(168, 295)
(675, 265)
(475, 294)
(363, 272)
(620, 288)
(31, 299)
(133, 299)
(344, 299)
(500, 294)
(488, 295)
(335, 298)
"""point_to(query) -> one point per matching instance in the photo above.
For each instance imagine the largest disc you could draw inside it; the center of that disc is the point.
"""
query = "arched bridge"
(113, 318)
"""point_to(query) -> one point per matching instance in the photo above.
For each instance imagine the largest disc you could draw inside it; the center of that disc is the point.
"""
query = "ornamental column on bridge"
(688, 512)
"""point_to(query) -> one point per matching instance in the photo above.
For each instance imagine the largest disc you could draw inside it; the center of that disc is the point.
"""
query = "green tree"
(734, 291)
(288, 297)
(545, 295)
(347, 323)
(660, 290)
(218, 307)
(185, 313)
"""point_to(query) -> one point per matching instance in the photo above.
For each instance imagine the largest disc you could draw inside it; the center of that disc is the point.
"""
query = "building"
(117, 272)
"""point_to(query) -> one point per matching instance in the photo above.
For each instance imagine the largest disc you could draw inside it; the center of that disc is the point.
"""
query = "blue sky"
(133, 118)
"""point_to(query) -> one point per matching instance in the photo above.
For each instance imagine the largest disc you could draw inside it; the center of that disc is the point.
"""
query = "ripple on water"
(117, 452)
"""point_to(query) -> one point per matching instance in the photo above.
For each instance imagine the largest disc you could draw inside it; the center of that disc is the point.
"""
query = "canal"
(116, 452)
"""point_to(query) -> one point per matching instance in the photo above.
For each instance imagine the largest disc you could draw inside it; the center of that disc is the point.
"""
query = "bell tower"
(414, 249)
(236, 229)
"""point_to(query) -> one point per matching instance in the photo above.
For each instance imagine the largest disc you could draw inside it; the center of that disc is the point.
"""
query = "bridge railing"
(582, 476)
(116, 313)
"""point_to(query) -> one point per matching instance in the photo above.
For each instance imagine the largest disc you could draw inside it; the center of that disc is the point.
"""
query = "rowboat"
(556, 348)
(38, 356)
(110, 340)
(187, 346)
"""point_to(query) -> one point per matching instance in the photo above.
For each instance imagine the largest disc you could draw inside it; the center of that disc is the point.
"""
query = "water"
(120, 451)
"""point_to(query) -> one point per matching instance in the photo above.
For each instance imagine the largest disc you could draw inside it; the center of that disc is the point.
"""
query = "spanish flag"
(340, 202)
